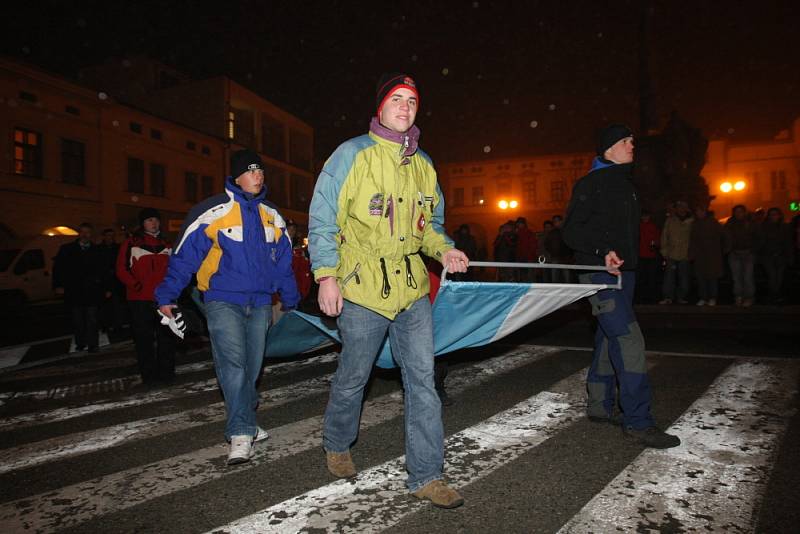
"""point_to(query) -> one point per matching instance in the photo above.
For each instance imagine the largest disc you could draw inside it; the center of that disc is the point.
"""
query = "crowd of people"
(690, 256)
(694, 245)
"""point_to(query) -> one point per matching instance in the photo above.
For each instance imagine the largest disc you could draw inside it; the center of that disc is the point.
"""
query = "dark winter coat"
(80, 273)
(603, 215)
(776, 241)
(742, 234)
(707, 244)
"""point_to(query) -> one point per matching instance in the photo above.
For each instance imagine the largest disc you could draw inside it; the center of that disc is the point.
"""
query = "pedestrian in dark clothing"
(505, 249)
(707, 244)
(465, 242)
(112, 310)
(558, 250)
(742, 235)
(78, 275)
(527, 248)
(602, 228)
(647, 275)
(775, 252)
(141, 266)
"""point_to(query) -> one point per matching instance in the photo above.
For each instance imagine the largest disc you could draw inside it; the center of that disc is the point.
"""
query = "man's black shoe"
(615, 419)
(652, 437)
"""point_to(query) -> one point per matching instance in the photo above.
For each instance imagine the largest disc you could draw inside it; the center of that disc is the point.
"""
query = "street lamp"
(726, 187)
(503, 204)
(513, 204)
(739, 186)
(506, 204)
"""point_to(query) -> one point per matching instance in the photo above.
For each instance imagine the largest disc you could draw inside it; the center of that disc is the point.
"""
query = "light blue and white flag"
(465, 314)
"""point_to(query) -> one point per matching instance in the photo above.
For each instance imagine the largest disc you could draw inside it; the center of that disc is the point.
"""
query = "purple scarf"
(410, 139)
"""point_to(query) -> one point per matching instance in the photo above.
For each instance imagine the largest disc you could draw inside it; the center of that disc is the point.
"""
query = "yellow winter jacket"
(376, 205)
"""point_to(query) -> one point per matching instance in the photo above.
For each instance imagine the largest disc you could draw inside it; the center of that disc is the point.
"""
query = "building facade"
(76, 154)
(485, 194)
(761, 174)
(225, 110)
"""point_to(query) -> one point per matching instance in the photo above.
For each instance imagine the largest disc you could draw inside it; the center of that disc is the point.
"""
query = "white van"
(26, 273)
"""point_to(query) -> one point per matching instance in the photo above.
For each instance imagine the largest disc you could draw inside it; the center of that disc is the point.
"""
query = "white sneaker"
(261, 434)
(241, 450)
(701, 302)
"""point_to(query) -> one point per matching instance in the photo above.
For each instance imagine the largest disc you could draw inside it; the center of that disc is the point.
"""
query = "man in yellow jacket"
(376, 206)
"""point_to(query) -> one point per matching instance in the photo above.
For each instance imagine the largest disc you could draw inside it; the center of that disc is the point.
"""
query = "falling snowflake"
(343, 117)
(599, 35)
(534, 124)
(479, 76)
(445, 71)
(115, 123)
(505, 101)
(551, 107)
(102, 96)
(81, 23)
(731, 131)
(414, 57)
(475, 5)
(26, 50)
(429, 113)
(487, 149)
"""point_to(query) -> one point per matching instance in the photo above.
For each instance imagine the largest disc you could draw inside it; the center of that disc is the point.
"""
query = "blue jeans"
(618, 358)
(679, 269)
(411, 339)
(238, 340)
(741, 263)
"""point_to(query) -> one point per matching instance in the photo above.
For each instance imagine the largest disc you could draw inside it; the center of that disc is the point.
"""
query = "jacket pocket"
(353, 275)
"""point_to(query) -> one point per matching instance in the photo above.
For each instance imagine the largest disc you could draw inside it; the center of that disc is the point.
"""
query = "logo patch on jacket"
(376, 204)
(421, 222)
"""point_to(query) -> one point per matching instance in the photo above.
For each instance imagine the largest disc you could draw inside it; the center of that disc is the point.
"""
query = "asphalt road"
(85, 448)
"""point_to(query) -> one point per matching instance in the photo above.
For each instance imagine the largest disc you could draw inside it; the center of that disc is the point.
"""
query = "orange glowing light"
(513, 204)
(726, 187)
(739, 186)
(503, 204)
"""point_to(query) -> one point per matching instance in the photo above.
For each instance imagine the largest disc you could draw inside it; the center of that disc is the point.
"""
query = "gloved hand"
(175, 323)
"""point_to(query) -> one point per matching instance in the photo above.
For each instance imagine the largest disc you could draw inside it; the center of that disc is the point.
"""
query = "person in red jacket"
(647, 278)
(141, 266)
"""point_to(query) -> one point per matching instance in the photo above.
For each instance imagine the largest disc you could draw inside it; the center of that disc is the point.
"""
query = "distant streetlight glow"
(513, 204)
(503, 204)
(725, 187)
(739, 186)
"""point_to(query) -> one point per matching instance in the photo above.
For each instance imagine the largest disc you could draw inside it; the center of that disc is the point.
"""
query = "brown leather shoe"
(340, 464)
(440, 494)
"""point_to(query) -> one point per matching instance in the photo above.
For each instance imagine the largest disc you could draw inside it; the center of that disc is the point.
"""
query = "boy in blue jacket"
(236, 244)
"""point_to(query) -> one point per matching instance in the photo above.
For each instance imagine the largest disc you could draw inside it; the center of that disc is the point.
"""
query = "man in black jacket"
(78, 275)
(602, 227)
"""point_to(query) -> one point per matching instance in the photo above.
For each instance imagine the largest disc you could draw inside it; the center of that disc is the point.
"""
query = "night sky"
(518, 77)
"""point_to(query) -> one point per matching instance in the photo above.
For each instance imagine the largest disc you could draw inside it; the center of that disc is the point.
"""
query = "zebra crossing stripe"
(80, 502)
(377, 498)
(174, 392)
(715, 479)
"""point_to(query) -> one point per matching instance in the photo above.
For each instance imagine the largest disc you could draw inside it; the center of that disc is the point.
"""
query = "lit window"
(27, 152)
(231, 124)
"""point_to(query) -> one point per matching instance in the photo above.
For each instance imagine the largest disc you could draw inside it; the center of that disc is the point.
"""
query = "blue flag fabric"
(465, 314)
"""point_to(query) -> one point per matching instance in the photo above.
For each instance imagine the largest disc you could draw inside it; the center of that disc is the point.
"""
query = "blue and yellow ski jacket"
(237, 245)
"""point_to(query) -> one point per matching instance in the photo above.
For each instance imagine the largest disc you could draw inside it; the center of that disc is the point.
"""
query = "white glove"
(176, 323)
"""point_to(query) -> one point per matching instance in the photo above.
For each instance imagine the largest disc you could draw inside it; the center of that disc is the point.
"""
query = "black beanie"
(388, 83)
(146, 213)
(608, 137)
(243, 161)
